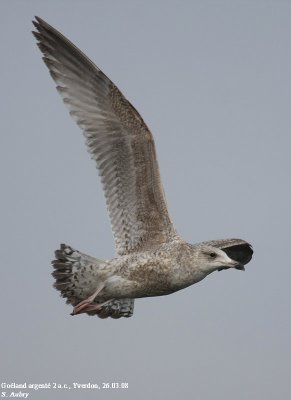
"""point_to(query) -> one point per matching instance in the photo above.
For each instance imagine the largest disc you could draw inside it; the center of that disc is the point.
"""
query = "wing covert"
(118, 140)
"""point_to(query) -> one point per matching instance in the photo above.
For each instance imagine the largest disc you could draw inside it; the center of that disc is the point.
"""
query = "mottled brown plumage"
(153, 260)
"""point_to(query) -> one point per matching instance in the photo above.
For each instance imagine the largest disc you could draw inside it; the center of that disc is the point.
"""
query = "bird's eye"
(212, 255)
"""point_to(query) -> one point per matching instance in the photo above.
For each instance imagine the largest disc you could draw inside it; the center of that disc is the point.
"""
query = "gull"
(152, 259)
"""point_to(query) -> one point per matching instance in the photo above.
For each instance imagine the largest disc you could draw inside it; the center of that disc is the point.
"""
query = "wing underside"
(119, 141)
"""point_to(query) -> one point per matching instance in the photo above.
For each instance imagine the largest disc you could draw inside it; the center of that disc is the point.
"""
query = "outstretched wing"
(118, 140)
(237, 249)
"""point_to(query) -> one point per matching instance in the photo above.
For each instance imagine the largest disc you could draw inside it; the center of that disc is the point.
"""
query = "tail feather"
(75, 276)
(116, 309)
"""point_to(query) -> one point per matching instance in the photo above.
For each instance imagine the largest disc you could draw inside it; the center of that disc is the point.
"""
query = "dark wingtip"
(40, 23)
(39, 20)
(240, 267)
(36, 35)
(242, 252)
(36, 24)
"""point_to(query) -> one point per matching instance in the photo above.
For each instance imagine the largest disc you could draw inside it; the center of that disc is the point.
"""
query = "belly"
(152, 282)
(117, 287)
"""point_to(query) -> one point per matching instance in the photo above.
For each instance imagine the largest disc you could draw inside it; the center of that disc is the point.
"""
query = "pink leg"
(91, 307)
(86, 304)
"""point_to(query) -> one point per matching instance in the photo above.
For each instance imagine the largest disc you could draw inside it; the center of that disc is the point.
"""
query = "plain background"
(212, 80)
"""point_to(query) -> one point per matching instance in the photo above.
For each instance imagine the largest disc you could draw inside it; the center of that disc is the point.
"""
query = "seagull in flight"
(152, 259)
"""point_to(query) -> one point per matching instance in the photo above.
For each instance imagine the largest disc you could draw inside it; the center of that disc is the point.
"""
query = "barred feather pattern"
(74, 273)
(118, 140)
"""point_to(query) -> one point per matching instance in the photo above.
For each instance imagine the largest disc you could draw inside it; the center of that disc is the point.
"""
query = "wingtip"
(39, 23)
(35, 24)
(35, 34)
(250, 248)
(38, 19)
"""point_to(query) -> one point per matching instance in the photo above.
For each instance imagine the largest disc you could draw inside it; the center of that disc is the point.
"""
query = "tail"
(75, 275)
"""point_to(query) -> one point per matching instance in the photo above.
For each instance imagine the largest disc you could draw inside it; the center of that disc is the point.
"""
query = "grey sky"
(212, 80)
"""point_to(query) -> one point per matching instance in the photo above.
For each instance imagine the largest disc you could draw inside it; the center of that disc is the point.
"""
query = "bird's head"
(211, 259)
